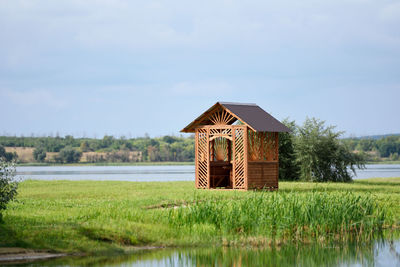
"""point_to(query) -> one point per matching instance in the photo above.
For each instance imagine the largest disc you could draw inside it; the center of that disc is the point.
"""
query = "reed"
(339, 215)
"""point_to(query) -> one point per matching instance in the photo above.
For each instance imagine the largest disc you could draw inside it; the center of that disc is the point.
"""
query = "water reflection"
(379, 253)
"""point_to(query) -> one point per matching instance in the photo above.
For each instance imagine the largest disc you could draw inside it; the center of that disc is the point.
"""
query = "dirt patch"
(20, 255)
(167, 206)
(25, 154)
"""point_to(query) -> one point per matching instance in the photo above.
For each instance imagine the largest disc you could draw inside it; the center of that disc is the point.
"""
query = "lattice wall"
(221, 117)
(239, 163)
(220, 138)
(221, 131)
(202, 158)
(210, 141)
(220, 149)
(263, 146)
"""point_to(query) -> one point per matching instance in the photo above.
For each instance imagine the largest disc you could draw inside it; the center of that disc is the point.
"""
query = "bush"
(69, 155)
(394, 156)
(39, 154)
(8, 185)
(322, 156)
(7, 156)
(288, 167)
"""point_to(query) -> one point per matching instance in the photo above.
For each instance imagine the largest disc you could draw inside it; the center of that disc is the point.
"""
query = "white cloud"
(147, 25)
(391, 12)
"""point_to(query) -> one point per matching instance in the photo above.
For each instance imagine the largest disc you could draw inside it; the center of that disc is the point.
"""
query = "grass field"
(99, 216)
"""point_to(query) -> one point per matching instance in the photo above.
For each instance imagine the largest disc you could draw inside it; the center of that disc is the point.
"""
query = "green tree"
(394, 156)
(39, 154)
(170, 139)
(84, 146)
(8, 185)
(69, 155)
(288, 167)
(366, 145)
(322, 156)
(7, 156)
(388, 146)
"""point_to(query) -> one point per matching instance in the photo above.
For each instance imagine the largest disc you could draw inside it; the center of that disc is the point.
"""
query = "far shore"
(147, 163)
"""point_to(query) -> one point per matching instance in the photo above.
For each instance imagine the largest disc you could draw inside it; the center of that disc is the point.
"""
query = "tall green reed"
(285, 215)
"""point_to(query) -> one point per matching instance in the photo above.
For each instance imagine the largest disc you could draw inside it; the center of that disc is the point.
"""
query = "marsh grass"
(107, 216)
(340, 215)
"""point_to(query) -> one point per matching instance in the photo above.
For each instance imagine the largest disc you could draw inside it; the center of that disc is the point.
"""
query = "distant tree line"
(70, 149)
(375, 148)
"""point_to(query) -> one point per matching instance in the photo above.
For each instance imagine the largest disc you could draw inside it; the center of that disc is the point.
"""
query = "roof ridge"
(237, 103)
(250, 114)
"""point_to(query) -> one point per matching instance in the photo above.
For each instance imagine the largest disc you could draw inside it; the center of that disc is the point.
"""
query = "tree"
(39, 154)
(394, 156)
(7, 156)
(170, 139)
(8, 185)
(322, 156)
(288, 167)
(69, 155)
(84, 146)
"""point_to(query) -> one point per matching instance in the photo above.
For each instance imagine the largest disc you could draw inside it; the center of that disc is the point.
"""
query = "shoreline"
(383, 162)
(155, 163)
(18, 255)
(14, 255)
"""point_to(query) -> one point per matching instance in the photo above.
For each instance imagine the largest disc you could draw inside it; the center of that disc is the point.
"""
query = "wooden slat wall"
(196, 157)
(263, 175)
(240, 157)
(202, 159)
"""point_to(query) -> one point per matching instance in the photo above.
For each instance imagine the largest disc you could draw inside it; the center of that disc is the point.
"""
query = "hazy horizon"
(130, 136)
(98, 68)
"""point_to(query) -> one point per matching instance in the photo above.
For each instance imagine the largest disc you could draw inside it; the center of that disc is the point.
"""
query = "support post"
(208, 159)
(196, 157)
(246, 156)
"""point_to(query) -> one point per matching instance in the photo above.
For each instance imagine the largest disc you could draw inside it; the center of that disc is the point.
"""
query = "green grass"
(99, 216)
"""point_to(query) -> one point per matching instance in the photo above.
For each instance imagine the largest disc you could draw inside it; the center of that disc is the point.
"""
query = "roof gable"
(228, 113)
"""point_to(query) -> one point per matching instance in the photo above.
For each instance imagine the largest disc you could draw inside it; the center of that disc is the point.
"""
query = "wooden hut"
(236, 147)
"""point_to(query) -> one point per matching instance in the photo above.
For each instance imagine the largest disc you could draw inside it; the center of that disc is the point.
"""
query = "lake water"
(378, 253)
(154, 173)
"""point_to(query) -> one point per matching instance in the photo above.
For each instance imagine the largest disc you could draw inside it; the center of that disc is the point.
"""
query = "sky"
(130, 68)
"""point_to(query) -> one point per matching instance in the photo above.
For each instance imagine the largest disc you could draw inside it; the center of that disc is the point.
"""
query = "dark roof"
(250, 114)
